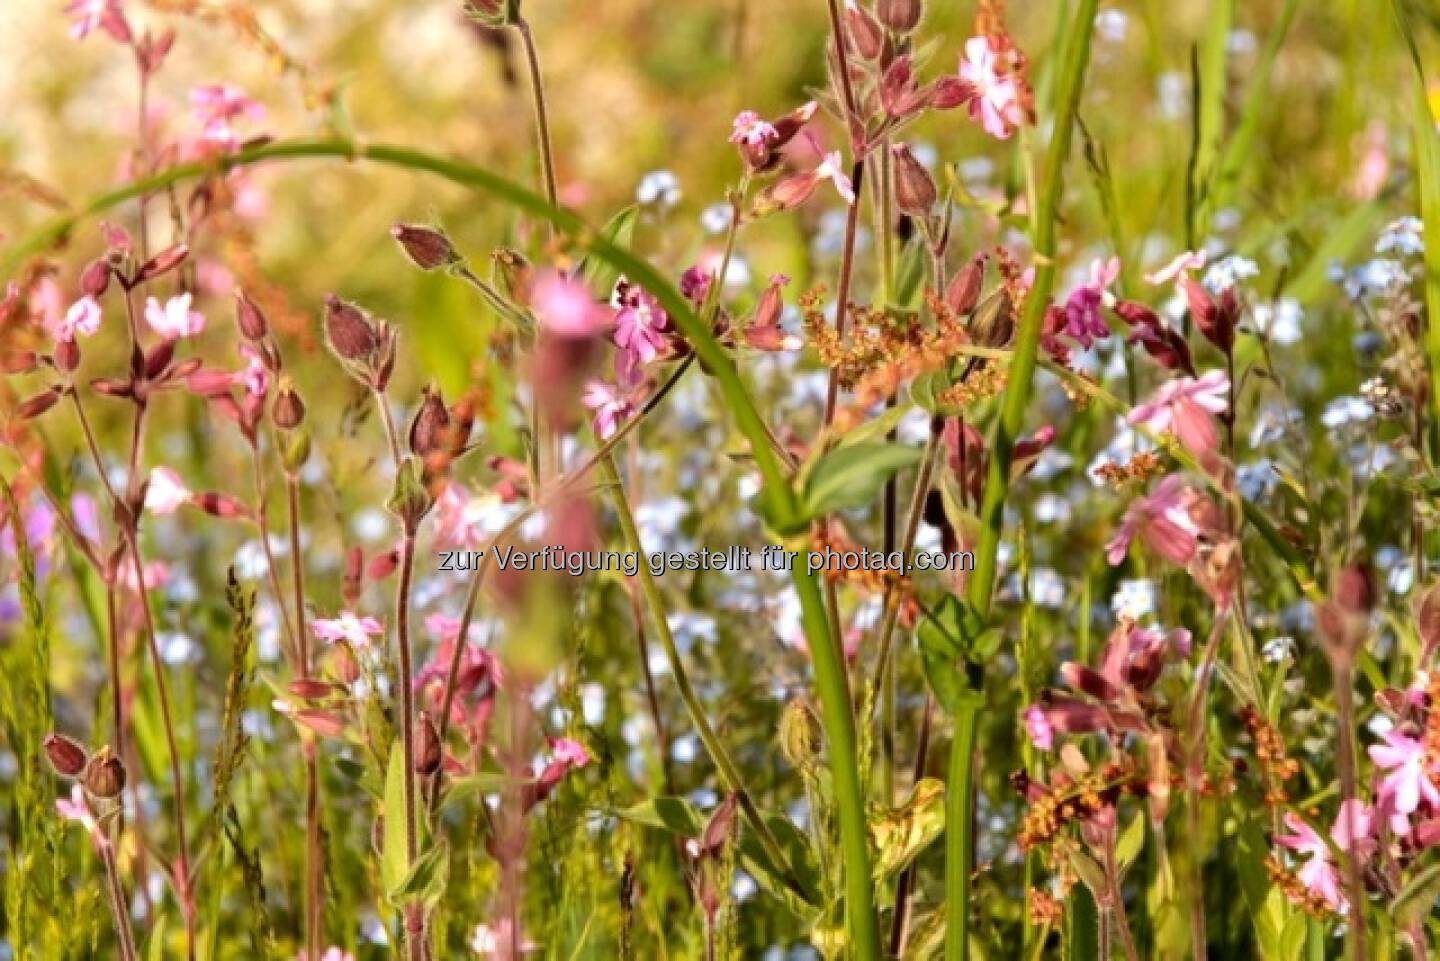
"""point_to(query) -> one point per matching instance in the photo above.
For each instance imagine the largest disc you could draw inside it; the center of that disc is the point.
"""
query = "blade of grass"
(959, 833)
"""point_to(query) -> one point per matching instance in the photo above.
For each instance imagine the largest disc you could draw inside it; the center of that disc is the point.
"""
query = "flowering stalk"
(119, 906)
(959, 840)
(314, 894)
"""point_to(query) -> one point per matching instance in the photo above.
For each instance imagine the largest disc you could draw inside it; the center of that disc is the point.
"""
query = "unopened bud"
(426, 247)
(949, 92)
(67, 355)
(20, 362)
(993, 322)
(66, 755)
(963, 291)
(428, 431)
(914, 187)
(162, 263)
(95, 278)
(349, 331)
(426, 749)
(220, 505)
(1354, 590)
(350, 578)
(343, 664)
(902, 16)
(288, 410)
(409, 500)
(104, 775)
(37, 405)
(159, 358)
(864, 30)
(249, 318)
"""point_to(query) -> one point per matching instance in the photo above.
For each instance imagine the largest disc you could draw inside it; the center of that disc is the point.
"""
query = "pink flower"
(76, 808)
(1182, 263)
(1037, 725)
(830, 169)
(347, 627)
(750, 128)
(106, 15)
(1408, 782)
(83, 317)
(563, 306)
(1082, 309)
(218, 106)
(255, 378)
(1162, 519)
(640, 323)
(993, 97)
(166, 492)
(569, 752)
(1186, 407)
(611, 408)
(175, 319)
(1351, 831)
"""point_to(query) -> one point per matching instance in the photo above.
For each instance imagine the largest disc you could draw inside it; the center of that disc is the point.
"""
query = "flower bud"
(95, 278)
(963, 291)
(409, 500)
(159, 358)
(914, 187)
(1215, 319)
(162, 263)
(66, 356)
(66, 755)
(349, 331)
(350, 578)
(111, 387)
(382, 565)
(297, 451)
(512, 272)
(249, 318)
(311, 690)
(220, 505)
(35, 406)
(104, 775)
(864, 31)
(343, 664)
(426, 247)
(899, 15)
(425, 750)
(950, 92)
(288, 411)
(1354, 590)
(993, 322)
(429, 429)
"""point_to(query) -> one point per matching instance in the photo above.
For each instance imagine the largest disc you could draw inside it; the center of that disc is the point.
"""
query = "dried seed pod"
(902, 16)
(429, 430)
(104, 775)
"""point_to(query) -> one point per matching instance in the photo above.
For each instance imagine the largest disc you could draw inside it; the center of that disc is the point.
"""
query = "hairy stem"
(119, 905)
(415, 932)
(314, 887)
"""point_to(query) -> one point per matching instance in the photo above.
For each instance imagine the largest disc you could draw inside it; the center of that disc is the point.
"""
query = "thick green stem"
(959, 840)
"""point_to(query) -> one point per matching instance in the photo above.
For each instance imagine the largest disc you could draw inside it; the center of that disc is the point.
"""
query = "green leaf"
(486, 782)
(1082, 926)
(902, 833)
(925, 391)
(795, 846)
(394, 858)
(425, 881)
(910, 276)
(673, 814)
(598, 273)
(851, 476)
(876, 428)
(1130, 842)
(1417, 899)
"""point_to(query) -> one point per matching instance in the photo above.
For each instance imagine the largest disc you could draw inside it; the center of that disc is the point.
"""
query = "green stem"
(959, 840)
(650, 592)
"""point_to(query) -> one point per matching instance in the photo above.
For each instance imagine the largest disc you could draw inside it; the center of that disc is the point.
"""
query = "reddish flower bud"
(899, 15)
(1355, 589)
(950, 92)
(349, 331)
(429, 430)
(382, 565)
(249, 318)
(66, 356)
(159, 358)
(311, 690)
(914, 187)
(37, 405)
(864, 31)
(95, 278)
(426, 247)
(104, 775)
(323, 723)
(162, 263)
(1215, 319)
(900, 94)
(66, 755)
(220, 505)
(111, 387)
(426, 747)
(963, 291)
(350, 578)
(343, 664)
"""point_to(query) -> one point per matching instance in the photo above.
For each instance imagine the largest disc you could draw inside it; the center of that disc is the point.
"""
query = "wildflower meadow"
(719, 479)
